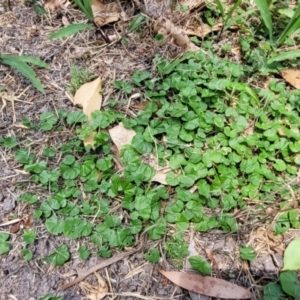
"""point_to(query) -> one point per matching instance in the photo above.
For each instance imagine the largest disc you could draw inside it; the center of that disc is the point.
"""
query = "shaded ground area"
(22, 31)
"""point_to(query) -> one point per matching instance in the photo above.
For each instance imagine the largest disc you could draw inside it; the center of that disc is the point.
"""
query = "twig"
(97, 267)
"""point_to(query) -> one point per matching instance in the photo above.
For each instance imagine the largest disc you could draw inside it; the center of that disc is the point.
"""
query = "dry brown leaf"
(192, 4)
(90, 140)
(292, 76)
(105, 13)
(121, 136)
(54, 4)
(95, 293)
(210, 255)
(89, 97)
(175, 34)
(203, 29)
(161, 172)
(15, 228)
(206, 285)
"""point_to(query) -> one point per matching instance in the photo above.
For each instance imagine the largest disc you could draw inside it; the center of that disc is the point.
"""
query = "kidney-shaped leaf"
(291, 259)
(206, 285)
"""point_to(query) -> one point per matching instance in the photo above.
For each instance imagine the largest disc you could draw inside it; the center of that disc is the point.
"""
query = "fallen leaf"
(15, 228)
(192, 4)
(206, 285)
(203, 29)
(175, 34)
(121, 136)
(161, 172)
(105, 13)
(95, 293)
(210, 255)
(89, 97)
(292, 76)
(54, 4)
(90, 140)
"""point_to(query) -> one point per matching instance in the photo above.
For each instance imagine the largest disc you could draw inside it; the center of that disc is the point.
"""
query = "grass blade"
(265, 15)
(136, 22)
(292, 26)
(284, 56)
(23, 68)
(34, 61)
(69, 30)
(88, 7)
(220, 6)
(83, 9)
(231, 11)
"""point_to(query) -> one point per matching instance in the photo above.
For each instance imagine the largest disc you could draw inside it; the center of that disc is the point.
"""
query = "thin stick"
(97, 267)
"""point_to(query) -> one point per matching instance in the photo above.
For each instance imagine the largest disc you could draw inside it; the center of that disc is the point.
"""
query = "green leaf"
(292, 26)
(23, 68)
(27, 254)
(140, 145)
(273, 291)
(59, 257)
(153, 256)
(23, 156)
(200, 264)
(50, 297)
(88, 9)
(157, 230)
(247, 253)
(231, 11)
(29, 237)
(104, 252)
(29, 198)
(220, 6)
(39, 9)
(279, 165)
(177, 160)
(33, 60)
(83, 252)
(290, 283)
(69, 30)
(76, 117)
(136, 226)
(37, 167)
(85, 7)
(10, 142)
(291, 259)
(282, 56)
(265, 15)
(171, 179)
(136, 22)
(4, 245)
(49, 152)
(49, 117)
(54, 225)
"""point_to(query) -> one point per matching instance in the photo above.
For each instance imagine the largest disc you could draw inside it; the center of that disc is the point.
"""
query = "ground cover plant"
(208, 126)
(229, 138)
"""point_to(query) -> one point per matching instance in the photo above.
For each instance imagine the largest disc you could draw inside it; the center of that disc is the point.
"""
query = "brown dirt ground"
(22, 31)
